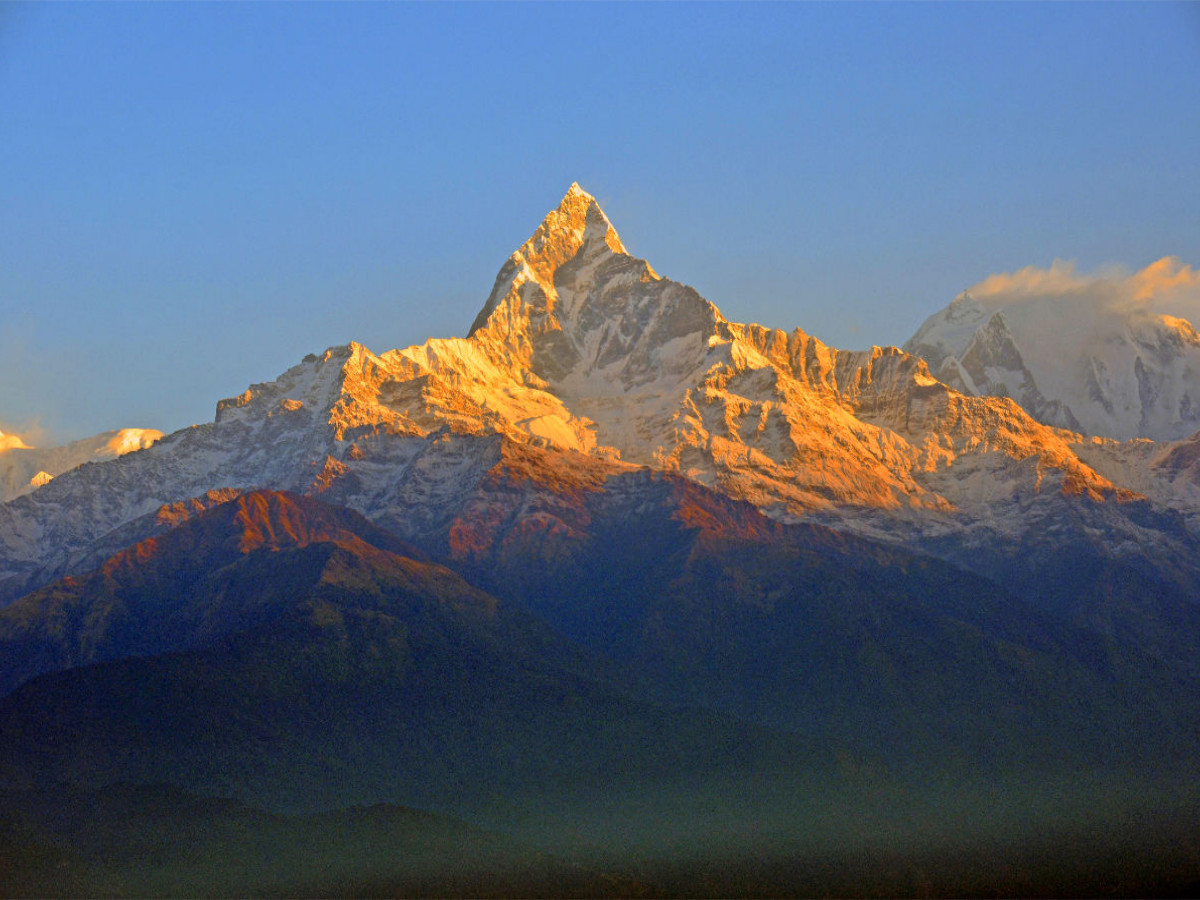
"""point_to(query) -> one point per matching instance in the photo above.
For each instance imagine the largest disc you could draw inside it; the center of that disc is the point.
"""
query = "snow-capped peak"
(947, 333)
(582, 347)
(595, 224)
(576, 232)
(1095, 353)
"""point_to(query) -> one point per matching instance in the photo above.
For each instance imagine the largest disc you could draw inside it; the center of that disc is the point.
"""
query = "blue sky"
(193, 197)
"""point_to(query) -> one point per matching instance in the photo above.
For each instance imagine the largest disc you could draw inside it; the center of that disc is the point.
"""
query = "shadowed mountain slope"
(303, 666)
(802, 627)
(225, 571)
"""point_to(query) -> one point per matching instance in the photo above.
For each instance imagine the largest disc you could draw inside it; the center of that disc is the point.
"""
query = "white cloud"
(11, 442)
(17, 439)
(1165, 287)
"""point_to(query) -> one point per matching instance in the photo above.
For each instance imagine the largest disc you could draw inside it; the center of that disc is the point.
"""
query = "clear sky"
(193, 197)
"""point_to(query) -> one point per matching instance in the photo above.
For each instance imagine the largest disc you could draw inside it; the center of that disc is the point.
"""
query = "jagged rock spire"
(577, 227)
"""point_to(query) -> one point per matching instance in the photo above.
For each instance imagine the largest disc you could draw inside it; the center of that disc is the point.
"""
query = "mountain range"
(647, 590)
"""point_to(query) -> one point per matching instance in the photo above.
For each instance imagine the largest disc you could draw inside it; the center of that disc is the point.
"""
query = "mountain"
(24, 468)
(696, 598)
(581, 347)
(877, 647)
(585, 366)
(1071, 360)
(285, 653)
(296, 658)
(656, 373)
(199, 581)
(661, 594)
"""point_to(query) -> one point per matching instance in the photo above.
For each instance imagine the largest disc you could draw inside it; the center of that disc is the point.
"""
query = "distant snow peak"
(23, 468)
(1109, 354)
(108, 444)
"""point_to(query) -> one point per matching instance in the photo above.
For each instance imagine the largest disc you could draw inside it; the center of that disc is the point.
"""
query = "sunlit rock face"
(24, 468)
(582, 346)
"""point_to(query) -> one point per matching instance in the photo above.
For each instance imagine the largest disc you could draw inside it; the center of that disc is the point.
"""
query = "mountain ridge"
(626, 578)
(582, 348)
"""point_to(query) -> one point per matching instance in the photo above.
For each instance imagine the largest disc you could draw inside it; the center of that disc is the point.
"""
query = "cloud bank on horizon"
(1113, 352)
(1167, 286)
(1059, 313)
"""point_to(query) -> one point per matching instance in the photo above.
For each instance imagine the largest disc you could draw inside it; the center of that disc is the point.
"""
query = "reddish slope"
(234, 565)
